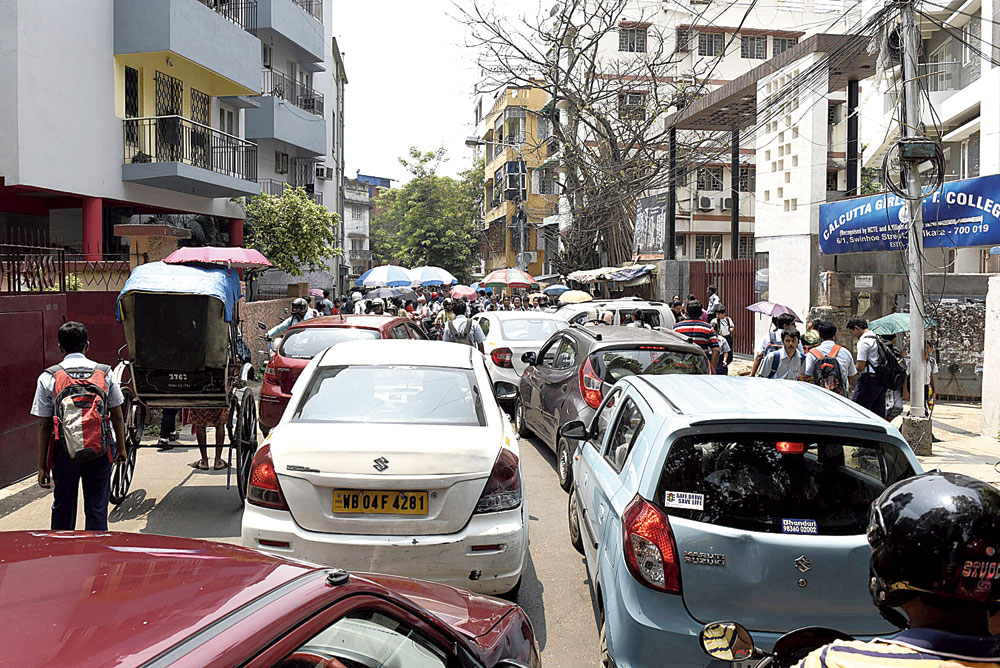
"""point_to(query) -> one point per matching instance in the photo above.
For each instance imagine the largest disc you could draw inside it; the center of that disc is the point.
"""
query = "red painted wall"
(96, 310)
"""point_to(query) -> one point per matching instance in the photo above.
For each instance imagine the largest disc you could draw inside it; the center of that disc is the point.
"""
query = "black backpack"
(890, 371)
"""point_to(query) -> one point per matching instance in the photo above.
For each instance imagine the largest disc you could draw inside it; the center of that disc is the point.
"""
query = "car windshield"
(787, 483)
(307, 342)
(392, 395)
(529, 329)
(612, 365)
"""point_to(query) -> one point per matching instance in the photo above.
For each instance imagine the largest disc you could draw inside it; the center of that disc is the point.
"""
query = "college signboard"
(961, 213)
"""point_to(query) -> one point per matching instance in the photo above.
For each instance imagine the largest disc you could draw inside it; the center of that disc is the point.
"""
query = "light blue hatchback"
(704, 498)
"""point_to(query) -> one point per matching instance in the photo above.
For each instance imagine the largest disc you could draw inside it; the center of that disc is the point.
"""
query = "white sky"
(411, 82)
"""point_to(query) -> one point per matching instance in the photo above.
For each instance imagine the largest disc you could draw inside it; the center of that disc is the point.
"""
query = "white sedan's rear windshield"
(529, 329)
(308, 342)
(392, 395)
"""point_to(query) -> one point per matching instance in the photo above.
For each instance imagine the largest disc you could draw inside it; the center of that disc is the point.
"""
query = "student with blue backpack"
(771, 341)
(788, 362)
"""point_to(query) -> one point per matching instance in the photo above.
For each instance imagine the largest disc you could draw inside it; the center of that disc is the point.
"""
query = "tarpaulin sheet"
(617, 274)
(184, 279)
(630, 273)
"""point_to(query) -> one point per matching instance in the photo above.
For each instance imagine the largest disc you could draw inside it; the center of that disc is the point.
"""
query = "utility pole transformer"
(916, 427)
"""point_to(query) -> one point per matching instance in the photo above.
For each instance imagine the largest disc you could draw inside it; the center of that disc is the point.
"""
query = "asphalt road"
(169, 497)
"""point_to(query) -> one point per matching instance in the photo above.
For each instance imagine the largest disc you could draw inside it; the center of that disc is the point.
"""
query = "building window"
(683, 40)
(966, 45)
(710, 178)
(748, 179)
(227, 121)
(516, 122)
(831, 181)
(833, 114)
(632, 106)
(516, 185)
(782, 44)
(753, 46)
(746, 246)
(132, 105)
(547, 185)
(708, 246)
(544, 128)
(632, 40)
(680, 247)
(711, 44)
(356, 212)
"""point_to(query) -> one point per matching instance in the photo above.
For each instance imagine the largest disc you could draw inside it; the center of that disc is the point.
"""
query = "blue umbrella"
(556, 289)
(386, 275)
(432, 276)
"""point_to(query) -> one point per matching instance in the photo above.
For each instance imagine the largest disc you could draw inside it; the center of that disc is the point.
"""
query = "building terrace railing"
(178, 139)
(241, 12)
(302, 96)
(359, 254)
(277, 188)
(313, 7)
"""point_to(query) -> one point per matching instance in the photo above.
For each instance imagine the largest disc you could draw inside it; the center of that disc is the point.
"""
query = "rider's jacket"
(280, 329)
(913, 648)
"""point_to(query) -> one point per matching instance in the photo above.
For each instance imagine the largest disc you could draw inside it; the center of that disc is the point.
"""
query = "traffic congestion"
(750, 519)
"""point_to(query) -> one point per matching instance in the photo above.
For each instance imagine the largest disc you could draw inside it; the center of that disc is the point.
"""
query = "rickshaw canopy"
(184, 279)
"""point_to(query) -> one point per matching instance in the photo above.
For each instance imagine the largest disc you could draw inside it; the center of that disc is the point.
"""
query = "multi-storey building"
(162, 112)
(518, 191)
(357, 216)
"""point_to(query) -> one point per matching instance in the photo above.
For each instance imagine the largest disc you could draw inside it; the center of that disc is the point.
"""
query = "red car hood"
(474, 615)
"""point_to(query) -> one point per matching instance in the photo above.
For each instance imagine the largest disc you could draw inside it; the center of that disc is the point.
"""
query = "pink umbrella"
(514, 278)
(238, 258)
(463, 291)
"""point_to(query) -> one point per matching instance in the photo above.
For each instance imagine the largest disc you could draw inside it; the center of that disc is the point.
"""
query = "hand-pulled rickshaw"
(184, 351)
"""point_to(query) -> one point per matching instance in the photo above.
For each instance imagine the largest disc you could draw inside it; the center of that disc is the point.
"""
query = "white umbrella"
(432, 276)
(386, 275)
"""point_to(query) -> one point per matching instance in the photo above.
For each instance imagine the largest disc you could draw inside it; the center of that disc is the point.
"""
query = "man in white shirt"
(725, 326)
(713, 302)
(772, 340)
(869, 392)
(67, 474)
(463, 329)
(827, 331)
(788, 363)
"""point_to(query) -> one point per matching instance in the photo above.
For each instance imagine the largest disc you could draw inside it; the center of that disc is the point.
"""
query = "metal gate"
(734, 280)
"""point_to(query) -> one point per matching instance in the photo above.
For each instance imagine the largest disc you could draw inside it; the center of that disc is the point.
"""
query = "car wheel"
(564, 464)
(519, 426)
(575, 539)
(606, 660)
(512, 594)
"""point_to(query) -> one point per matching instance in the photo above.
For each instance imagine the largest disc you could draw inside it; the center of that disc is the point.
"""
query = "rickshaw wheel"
(232, 421)
(121, 473)
(246, 444)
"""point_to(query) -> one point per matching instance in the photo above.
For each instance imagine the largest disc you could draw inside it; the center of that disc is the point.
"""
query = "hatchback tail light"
(269, 375)
(264, 489)
(503, 489)
(650, 548)
(502, 357)
(590, 385)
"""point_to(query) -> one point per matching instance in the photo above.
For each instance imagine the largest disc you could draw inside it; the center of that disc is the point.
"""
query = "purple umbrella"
(772, 309)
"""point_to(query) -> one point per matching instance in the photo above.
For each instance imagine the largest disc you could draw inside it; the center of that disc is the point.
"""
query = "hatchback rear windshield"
(779, 483)
(612, 365)
(308, 342)
(392, 395)
(529, 329)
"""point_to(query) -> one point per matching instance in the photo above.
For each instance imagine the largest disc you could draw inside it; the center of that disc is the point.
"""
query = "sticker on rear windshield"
(799, 526)
(684, 500)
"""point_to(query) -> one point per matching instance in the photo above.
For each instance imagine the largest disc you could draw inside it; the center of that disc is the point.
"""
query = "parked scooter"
(731, 642)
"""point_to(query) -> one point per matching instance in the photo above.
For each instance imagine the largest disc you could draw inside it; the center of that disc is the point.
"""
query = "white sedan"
(510, 334)
(394, 457)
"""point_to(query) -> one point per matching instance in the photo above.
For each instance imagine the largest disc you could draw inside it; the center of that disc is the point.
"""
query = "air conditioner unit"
(321, 172)
(727, 204)
(531, 256)
(706, 203)
(280, 162)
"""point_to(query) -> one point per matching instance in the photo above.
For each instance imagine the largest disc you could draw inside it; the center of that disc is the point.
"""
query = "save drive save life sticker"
(685, 500)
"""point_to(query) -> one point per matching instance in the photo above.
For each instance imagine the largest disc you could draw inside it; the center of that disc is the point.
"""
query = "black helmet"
(299, 305)
(936, 534)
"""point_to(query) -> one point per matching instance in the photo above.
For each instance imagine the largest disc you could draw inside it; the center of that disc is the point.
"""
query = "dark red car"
(121, 599)
(303, 341)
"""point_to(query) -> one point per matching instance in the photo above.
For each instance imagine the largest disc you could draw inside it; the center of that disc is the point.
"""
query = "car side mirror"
(529, 358)
(504, 391)
(574, 430)
(262, 326)
(726, 641)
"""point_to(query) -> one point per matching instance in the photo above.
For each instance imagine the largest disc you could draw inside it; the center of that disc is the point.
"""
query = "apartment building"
(357, 219)
(155, 109)
(520, 188)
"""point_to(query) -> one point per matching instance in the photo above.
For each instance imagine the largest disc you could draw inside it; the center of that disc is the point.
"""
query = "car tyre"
(564, 464)
(573, 517)
(606, 660)
(519, 425)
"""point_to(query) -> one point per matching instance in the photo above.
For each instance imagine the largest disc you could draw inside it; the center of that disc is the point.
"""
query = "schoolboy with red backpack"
(829, 364)
(81, 431)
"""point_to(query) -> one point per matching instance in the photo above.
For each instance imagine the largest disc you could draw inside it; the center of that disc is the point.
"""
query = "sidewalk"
(962, 448)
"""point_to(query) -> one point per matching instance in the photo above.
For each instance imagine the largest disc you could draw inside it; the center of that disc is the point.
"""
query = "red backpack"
(826, 372)
(81, 423)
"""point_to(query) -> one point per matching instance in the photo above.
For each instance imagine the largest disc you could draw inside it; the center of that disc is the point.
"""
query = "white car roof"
(520, 315)
(405, 352)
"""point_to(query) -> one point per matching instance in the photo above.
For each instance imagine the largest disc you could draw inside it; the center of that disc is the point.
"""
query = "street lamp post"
(519, 214)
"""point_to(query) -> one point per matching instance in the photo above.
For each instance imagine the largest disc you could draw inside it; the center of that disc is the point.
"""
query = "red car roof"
(97, 599)
(352, 320)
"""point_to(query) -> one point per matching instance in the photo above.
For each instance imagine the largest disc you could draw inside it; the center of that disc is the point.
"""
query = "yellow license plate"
(370, 502)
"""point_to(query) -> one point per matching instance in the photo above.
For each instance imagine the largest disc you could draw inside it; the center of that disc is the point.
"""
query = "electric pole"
(917, 429)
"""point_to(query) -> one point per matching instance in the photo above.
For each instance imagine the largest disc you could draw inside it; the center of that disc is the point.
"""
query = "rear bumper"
(272, 405)
(448, 558)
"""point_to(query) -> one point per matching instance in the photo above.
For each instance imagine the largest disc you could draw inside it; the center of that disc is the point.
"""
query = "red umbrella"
(514, 278)
(238, 258)
(463, 291)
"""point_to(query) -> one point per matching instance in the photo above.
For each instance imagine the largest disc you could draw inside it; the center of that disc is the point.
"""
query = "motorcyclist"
(446, 314)
(377, 307)
(300, 312)
(936, 555)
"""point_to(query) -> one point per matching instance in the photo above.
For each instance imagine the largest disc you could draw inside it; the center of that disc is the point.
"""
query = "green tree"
(292, 231)
(432, 220)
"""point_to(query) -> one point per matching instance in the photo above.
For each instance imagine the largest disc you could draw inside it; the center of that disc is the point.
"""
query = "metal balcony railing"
(178, 139)
(313, 7)
(299, 94)
(277, 188)
(241, 12)
(359, 255)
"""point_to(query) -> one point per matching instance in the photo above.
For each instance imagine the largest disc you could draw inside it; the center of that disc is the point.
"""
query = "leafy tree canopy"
(292, 231)
(432, 220)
